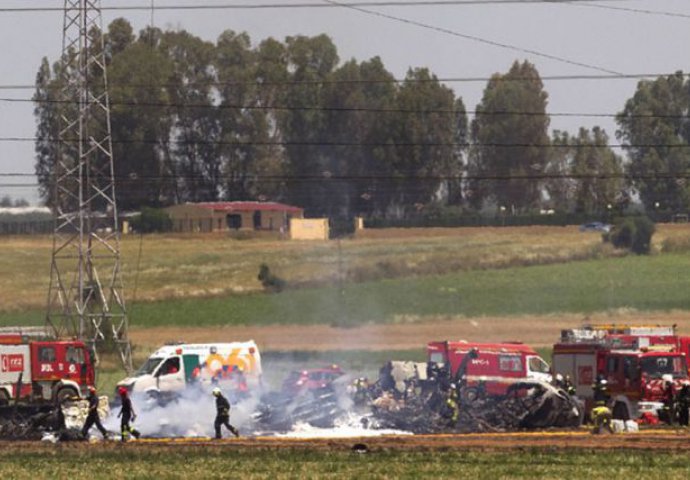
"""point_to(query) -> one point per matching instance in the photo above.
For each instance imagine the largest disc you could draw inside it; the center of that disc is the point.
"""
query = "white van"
(172, 368)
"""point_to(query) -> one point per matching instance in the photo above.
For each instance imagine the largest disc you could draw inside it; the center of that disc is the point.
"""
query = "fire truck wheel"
(620, 411)
(469, 395)
(65, 393)
(4, 398)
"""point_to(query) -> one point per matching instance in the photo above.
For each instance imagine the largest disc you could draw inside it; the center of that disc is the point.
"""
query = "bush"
(151, 220)
(633, 233)
(270, 282)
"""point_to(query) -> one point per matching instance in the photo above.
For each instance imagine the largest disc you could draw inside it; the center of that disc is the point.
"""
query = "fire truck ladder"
(85, 297)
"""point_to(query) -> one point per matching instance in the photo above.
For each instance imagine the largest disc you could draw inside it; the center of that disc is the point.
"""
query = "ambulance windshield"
(148, 367)
(538, 365)
(657, 366)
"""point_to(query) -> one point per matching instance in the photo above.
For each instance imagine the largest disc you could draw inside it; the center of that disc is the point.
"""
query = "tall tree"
(310, 61)
(141, 120)
(598, 173)
(510, 139)
(655, 128)
(427, 152)
(47, 112)
(194, 170)
(559, 184)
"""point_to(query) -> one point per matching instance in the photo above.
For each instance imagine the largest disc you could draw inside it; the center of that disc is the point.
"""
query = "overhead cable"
(302, 5)
(433, 79)
(356, 144)
(475, 38)
(292, 108)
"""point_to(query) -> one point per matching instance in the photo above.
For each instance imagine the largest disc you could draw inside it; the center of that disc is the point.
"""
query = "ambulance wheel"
(66, 393)
(4, 398)
(620, 411)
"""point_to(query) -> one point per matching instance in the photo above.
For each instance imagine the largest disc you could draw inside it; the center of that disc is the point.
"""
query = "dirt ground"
(408, 333)
(665, 440)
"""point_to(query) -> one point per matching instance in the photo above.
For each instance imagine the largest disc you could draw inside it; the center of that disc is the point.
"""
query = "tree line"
(288, 121)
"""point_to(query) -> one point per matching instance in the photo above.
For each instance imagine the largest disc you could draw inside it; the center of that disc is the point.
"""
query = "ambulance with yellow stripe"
(175, 367)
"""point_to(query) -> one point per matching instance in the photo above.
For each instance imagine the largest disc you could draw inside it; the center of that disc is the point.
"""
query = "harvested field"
(539, 331)
(652, 439)
(169, 266)
(545, 455)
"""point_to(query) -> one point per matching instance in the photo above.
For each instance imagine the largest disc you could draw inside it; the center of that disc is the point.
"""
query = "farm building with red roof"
(224, 216)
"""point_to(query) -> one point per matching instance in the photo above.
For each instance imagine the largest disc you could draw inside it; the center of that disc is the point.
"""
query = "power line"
(405, 176)
(475, 38)
(356, 144)
(292, 108)
(262, 83)
(628, 9)
(301, 5)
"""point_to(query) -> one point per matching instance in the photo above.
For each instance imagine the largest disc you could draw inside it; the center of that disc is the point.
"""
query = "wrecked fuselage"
(417, 398)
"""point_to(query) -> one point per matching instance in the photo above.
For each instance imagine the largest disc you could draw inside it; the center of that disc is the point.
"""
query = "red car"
(312, 379)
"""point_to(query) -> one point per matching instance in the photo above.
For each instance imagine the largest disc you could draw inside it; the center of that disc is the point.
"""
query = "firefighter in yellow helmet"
(222, 414)
(451, 409)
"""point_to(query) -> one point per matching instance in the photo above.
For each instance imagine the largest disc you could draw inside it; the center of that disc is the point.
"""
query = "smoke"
(190, 414)
(349, 425)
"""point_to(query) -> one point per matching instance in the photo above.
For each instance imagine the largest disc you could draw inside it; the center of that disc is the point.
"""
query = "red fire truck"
(496, 366)
(651, 337)
(634, 360)
(40, 371)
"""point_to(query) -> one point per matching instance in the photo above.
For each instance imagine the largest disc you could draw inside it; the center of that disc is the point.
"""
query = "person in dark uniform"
(92, 418)
(127, 414)
(568, 386)
(669, 398)
(683, 403)
(222, 414)
(601, 391)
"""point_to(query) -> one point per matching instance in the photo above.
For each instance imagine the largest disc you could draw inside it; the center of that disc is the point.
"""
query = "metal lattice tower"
(85, 298)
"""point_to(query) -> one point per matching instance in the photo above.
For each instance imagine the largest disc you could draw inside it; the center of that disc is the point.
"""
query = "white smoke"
(350, 425)
(191, 414)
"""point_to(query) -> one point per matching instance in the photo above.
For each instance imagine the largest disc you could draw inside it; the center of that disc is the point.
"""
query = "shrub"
(270, 282)
(152, 220)
(634, 234)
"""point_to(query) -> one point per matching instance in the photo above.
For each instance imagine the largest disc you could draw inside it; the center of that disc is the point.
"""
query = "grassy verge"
(210, 463)
(658, 283)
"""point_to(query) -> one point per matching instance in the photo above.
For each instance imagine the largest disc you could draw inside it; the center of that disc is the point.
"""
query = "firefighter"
(451, 409)
(601, 391)
(669, 400)
(222, 414)
(127, 413)
(360, 391)
(568, 386)
(683, 404)
(601, 418)
(92, 418)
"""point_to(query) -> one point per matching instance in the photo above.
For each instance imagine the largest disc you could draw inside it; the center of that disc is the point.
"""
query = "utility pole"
(85, 297)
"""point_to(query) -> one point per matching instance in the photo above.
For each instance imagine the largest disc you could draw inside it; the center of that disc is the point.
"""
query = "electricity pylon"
(85, 297)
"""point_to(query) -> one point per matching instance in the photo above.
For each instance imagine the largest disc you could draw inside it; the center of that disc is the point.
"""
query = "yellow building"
(225, 216)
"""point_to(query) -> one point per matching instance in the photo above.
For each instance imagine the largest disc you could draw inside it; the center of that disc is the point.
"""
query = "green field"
(648, 283)
(227, 462)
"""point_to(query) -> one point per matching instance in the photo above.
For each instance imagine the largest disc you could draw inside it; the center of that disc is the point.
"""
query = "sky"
(472, 41)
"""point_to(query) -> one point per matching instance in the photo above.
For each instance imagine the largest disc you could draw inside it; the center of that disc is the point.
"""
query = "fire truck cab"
(634, 364)
(41, 371)
(496, 366)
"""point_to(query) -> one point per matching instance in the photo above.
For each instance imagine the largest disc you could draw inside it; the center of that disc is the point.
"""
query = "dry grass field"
(159, 267)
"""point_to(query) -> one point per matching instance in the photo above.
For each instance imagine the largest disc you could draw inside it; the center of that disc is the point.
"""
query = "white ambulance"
(174, 367)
